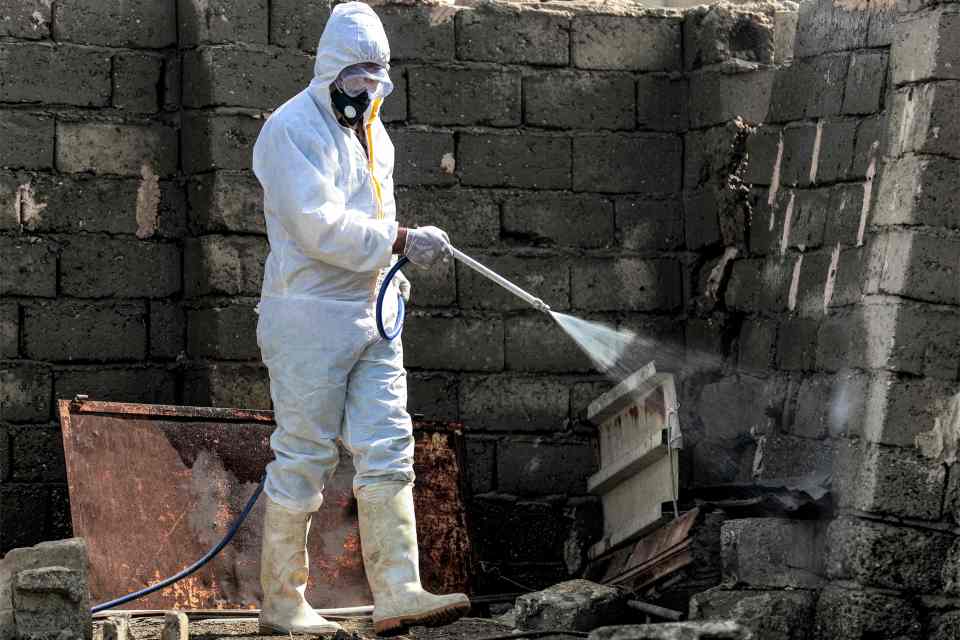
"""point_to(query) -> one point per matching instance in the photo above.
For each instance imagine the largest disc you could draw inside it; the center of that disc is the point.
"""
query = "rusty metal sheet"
(153, 487)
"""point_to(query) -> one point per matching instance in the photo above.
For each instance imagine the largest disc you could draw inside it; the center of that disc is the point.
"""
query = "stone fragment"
(770, 615)
(579, 605)
(843, 613)
(175, 626)
(724, 33)
(116, 628)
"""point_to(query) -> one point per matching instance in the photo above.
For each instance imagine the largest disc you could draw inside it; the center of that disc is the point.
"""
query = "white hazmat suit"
(331, 223)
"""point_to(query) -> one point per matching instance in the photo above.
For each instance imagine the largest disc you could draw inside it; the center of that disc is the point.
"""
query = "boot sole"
(436, 618)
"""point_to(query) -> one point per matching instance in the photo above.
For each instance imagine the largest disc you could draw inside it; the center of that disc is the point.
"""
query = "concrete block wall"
(763, 192)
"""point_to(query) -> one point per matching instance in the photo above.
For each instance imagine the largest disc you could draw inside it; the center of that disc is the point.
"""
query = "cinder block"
(394, 108)
(117, 384)
(116, 23)
(25, 19)
(562, 219)
(635, 43)
(908, 412)
(537, 343)
(66, 330)
(772, 552)
(223, 333)
(171, 81)
(216, 141)
(224, 265)
(515, 160)
(717, 98)
(461, 96)
(809, 219)
(471, 218)
(424, 157)
(865, 82)
(511, 403)
(459, 344)
(759, 285)
(780, 456)
(810, 88)
(433, 287)
(481, 463)
(883, 24)
(136, 82)
(419, 32)
(167, 330)
(655, 162)
(100, 267)
(646, 224)
(232, 76)
(886, 556)
(28, 268)
(757, 345)
(798, 343)
(574, 100)
(919, 190)
(626, 284)
(298, 23)
(662, 103)
(924, 119)
(772, 615)
(212, 21)
(226, 201)
(848, 278)
(837, 144)
(925, 46)
(825, 26)
(433, 395)
(25, 389)
(548, 279)
(871, 145)
(920, 266)
(511, 529)
(902, 482)
(738, 407)
(227, 385)
(764, 149)
(799, 149)
(37, 454)
(9, 329)
(55, 74)
(28, 140)
(543, 468)
(830, 405)
(496, 33)
(721, 34)
(124, 149)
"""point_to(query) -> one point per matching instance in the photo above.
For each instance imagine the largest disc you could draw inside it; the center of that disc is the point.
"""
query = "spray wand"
(390, 334)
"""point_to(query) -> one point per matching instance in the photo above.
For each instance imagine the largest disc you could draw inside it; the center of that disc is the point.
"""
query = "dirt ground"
(357, 628)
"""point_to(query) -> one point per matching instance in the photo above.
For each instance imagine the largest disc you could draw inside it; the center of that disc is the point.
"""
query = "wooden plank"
(629, 464)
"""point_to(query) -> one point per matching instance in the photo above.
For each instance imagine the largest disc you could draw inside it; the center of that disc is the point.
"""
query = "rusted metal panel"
(153, 487)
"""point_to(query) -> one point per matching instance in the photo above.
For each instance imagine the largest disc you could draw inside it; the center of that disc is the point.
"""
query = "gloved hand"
(426, 245)
(404, 285)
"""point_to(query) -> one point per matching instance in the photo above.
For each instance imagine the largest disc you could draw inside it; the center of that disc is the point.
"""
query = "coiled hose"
(401, 306)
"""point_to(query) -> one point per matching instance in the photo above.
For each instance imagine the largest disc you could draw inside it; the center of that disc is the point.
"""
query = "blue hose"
(401, 306)
(196, 565)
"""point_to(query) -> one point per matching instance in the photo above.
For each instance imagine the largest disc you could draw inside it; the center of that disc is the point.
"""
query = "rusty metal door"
(153, 487)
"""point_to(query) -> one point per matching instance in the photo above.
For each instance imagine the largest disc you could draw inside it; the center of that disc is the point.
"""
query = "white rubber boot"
(388, 535)
(283, 575)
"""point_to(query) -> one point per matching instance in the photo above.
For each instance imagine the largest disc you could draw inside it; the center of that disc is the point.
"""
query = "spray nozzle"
(540, 305)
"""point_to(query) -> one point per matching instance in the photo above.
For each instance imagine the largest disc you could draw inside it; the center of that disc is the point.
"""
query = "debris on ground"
(579, 605)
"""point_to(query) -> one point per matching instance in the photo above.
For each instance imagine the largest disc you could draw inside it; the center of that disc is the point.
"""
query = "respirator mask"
(354, 89)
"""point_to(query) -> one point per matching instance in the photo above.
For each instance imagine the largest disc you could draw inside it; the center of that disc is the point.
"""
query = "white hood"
(353, 34)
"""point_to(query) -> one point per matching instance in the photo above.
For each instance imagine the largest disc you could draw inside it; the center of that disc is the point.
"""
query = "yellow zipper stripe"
(377, 191)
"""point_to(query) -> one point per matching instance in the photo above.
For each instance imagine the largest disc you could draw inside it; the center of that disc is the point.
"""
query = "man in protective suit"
(326, 166)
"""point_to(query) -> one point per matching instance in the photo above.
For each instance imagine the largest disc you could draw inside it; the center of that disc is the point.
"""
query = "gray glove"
(426, 245)
(404, 285)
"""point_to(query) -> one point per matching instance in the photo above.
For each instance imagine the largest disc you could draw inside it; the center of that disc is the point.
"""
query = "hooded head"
(354, 34)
